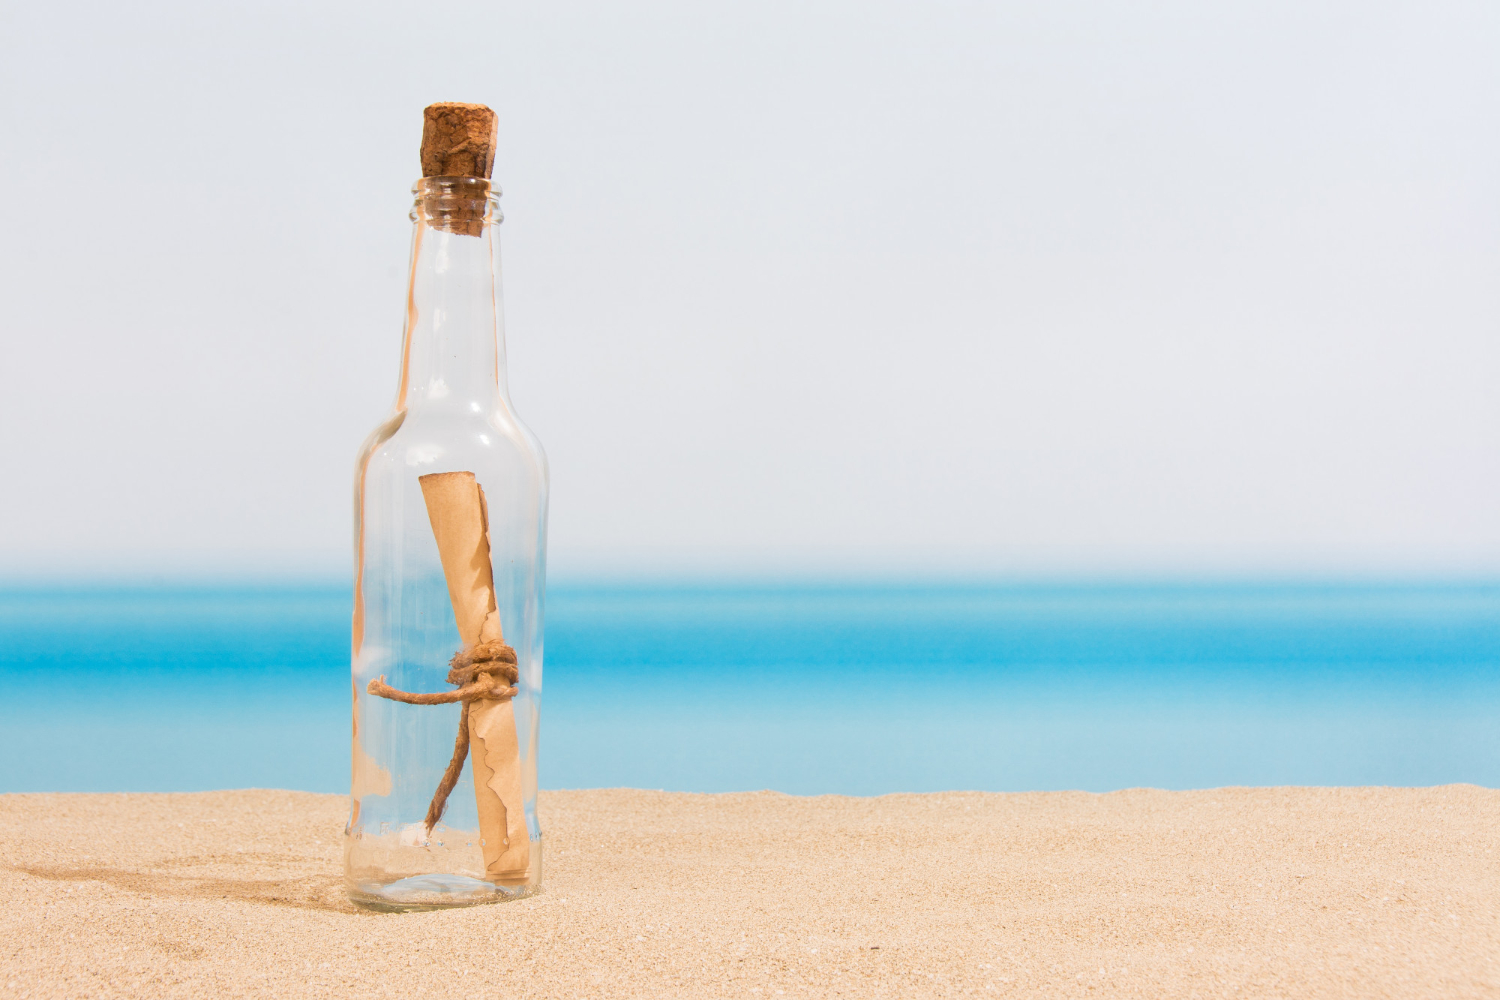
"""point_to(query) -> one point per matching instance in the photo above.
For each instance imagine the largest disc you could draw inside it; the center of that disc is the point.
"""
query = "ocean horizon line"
(707, 583)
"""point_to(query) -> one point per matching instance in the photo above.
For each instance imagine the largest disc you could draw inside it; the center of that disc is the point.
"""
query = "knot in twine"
(485, 671)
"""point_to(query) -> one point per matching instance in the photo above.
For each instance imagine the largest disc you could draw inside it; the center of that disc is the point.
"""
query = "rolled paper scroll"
(460, 523)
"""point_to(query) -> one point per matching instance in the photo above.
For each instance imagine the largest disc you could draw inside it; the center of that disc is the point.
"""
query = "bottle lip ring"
(456, 204)
(455, 186)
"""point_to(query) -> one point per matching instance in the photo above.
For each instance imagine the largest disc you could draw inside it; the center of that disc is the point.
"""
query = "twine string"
(485, 671)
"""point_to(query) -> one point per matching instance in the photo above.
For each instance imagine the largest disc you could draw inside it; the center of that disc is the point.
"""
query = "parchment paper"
(460, 523)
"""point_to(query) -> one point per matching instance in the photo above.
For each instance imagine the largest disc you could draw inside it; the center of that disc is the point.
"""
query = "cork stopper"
(458, 140)
(458, 153)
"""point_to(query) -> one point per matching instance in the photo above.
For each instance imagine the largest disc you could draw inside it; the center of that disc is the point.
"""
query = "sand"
(1281, 892)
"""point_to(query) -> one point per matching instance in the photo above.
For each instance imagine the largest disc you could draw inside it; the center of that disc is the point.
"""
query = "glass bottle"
(450, 537)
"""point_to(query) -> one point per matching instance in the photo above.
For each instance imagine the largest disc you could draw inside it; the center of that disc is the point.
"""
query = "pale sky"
(827, 287)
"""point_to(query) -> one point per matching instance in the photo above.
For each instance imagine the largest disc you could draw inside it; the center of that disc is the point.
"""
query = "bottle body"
(406, 845)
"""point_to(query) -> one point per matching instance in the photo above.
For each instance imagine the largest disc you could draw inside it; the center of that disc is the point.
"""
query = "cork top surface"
(458, 140)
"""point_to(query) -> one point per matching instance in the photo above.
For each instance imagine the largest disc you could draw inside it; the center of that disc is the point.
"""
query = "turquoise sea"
(856, 689)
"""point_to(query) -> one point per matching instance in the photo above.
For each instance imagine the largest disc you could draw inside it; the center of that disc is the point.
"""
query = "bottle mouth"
(461, 205)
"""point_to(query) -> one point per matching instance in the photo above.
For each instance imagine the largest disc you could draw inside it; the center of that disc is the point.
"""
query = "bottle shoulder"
(432, 439)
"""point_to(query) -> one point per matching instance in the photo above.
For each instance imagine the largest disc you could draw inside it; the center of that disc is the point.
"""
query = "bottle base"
(434, 892)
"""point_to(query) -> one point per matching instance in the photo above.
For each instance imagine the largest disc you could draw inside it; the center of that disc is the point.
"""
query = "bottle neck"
(453, 354)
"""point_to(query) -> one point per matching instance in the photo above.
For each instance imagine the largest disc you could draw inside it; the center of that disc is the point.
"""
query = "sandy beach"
(1293, 892)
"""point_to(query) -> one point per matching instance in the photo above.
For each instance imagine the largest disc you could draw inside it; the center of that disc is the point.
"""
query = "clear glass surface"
(452, 413)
